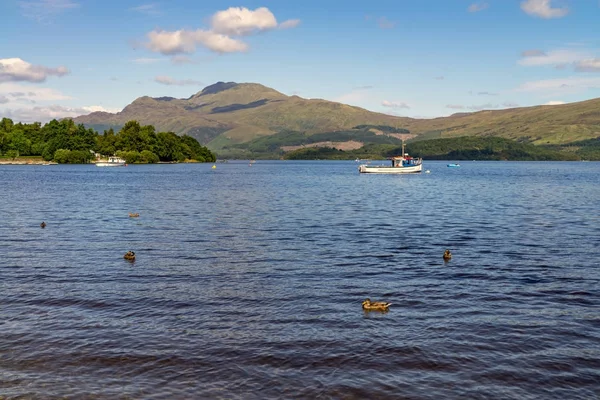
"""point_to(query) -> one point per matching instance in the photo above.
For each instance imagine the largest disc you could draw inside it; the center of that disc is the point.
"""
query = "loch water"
(249, 280)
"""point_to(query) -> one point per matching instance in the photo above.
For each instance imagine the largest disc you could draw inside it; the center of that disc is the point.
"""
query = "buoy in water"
(427, 171)
(214, 167)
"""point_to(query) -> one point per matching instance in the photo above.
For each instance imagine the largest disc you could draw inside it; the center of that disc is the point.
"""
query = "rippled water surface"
(248, 281)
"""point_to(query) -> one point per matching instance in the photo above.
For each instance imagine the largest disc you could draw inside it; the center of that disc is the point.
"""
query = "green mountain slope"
(239, 113)
(558, 124)
(227, 114)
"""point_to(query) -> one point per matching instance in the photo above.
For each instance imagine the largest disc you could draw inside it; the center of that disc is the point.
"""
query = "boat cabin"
(406, 161)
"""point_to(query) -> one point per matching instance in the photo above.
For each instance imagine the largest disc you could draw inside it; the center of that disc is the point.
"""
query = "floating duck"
(43, 225)
(134, 215)
(447, 255)
(375, 305)
(129, 256)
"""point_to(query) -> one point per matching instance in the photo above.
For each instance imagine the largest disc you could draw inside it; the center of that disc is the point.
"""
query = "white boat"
(112, 162)
(403, 164)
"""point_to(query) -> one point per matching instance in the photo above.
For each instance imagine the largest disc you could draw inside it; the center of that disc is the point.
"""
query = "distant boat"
(453, 165)
(112, 162)
(403, 164)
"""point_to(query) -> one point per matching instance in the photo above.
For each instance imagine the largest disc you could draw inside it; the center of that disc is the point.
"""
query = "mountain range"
(229, 113)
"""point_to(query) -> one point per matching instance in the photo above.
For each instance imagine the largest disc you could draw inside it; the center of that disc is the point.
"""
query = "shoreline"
(27, 162)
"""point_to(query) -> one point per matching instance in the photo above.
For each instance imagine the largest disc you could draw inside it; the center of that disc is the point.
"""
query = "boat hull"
(108, 164)
(367, 169)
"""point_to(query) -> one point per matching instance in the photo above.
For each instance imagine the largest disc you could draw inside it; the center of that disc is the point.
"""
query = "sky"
(414, 58)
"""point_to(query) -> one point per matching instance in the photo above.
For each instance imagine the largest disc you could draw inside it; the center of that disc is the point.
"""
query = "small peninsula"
(64, 142)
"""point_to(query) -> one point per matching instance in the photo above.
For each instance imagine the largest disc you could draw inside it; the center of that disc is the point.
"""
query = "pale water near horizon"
(248, 281)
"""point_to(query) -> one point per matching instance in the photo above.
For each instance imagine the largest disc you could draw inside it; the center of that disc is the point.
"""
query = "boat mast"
(403, 148)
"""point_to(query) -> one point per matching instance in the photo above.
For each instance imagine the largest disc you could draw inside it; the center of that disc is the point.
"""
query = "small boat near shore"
(453, 165)
(403, 164)
(112, 162)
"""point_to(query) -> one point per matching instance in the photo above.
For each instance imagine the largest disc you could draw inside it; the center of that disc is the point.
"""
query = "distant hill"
(228, 115)
(239, 112)
(558, 124)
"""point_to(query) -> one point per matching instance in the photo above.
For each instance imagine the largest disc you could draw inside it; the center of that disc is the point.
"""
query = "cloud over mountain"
(220, 37)
(167, 80)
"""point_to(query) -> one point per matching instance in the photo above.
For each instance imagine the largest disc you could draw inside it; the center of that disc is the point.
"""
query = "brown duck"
(375, 305)
(129, 256)
(447, 255)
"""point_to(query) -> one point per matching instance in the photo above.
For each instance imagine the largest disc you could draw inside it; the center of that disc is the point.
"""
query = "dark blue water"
(248, 282)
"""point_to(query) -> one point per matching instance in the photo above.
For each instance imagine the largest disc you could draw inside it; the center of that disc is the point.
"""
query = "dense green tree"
(16, 140)
(133, 137)
(64, 156)
(12, 154)
(168, 146)
(64, 141)
(149, 157)
(130, 157)
(106, 144)
(197, 151)
(6, 125)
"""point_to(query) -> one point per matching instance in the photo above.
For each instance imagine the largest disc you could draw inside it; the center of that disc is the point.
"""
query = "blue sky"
(423, 59)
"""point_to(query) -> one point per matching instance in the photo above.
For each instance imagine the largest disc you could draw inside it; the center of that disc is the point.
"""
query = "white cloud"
(588, 65)
(148, 9)
(146, 60)
(394, 104)
(240, 21)
(235, 21)
(42, 10)
(554, 103)
(479, 107)
(290, 23)
(92, 109)
(3, 99)
(476, 7)
(31, 92)
(167, 80)
(47, 113)
(543, 9)
(15, 69)
(554, 57)
(487, 94)
(560, 85)
(184, 41)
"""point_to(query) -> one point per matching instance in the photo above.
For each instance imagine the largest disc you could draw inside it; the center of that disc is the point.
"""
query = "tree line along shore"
(64, 142)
